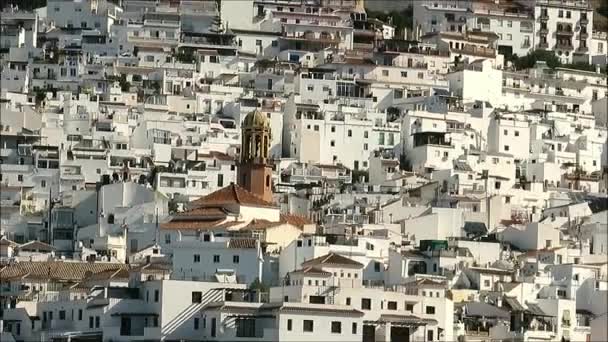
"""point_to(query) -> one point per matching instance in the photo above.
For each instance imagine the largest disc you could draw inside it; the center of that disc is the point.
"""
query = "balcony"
(543, 16)
(542, 45)
(564, 33)
(583, 35)
(526, 29)
(543, 31)
(563, 46)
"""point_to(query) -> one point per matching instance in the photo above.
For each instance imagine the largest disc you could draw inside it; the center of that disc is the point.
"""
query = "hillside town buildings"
(300, 170)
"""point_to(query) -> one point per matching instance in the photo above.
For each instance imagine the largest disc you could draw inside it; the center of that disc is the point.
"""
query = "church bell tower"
(254, 170)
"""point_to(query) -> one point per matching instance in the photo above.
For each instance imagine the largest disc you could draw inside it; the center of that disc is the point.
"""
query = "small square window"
(336, 327)
(216, 259)
(308, 325)
(236, 259)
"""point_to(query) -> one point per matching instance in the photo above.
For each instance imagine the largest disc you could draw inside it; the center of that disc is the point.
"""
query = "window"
(516, 133)
(365, 134)
(336, 327)
(195, 323)
(354, 328)
(97, 322)
(91, 322)
(197, 258)
(486, 283)
(409, 307)
(213, 326)
(506, 147)
(392, 305)
(20, 178)
(216, 259)
(332, 143)
(350, 132)
(156, 296)
(347, 300)
(420, 75)
(235, 259)
(307, 325)
(404, 74)
(275, 43)
(80, 314)
(316, 127)
(377, 266)
(333, 129)
(384, 72)
(509, 36)
(62, 315)
(429, 335)
(167, 239)
(506, 132)
(560, 13)
(197, 297)
(430, 310)
(220, 180)
(366, 304)
(365, 147)
(258, 42)
(289, 325)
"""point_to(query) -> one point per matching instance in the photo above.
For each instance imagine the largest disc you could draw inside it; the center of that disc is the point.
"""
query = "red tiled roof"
(37, 245)
(296, 220)
(199, 224)
(59, 270)
(204, 212)
(311, 271)
(332, 259)
(232, 194)
(242, 243)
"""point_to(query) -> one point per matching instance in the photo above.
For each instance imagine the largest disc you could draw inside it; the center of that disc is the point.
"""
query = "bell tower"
(254, 170)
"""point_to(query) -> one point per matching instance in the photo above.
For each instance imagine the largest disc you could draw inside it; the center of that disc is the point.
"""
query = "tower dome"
(256, 119)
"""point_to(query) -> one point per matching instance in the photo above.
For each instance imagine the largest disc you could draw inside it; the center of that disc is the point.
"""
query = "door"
(369, 333)
(125, 326)
(400, 334)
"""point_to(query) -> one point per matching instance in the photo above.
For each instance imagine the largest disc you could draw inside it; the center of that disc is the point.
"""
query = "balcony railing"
(565, 33)
(562, 46)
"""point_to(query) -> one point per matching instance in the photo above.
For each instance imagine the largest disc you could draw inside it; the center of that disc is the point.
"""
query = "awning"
(402, 320)
(514, 304)
(535, 310)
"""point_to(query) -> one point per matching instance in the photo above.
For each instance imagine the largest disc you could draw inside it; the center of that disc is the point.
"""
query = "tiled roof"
(37, 245)
(311, 271)
(57, 270)
(295, 220)
(198, 224)
(6, 242)
(232, 194)
(332, 259)
(243, 243)
(204, 212)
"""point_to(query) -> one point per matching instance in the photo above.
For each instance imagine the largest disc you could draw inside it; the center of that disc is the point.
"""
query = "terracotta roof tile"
(37, 245)
(57, 270)
(199, 224)
(243, 243)
(296, 220)
(311, 271)
(232, 194)
(332, 259)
